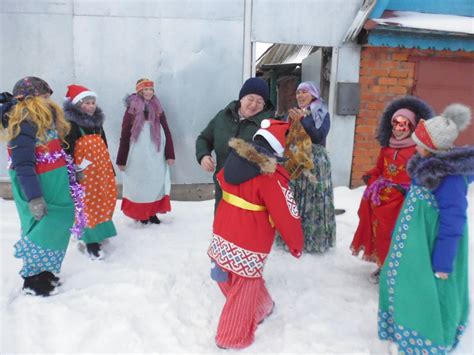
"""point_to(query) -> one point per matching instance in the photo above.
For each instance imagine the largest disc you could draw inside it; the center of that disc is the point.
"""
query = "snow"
(153, 293)
(436, 22)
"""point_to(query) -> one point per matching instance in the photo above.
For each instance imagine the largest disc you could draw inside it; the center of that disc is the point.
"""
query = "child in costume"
(145, 154)
(388, 181)
(256, 199)
(424, 297)
(88, 146)
(40, 184)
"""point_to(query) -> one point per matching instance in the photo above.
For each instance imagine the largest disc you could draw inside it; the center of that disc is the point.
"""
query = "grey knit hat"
(439, 133)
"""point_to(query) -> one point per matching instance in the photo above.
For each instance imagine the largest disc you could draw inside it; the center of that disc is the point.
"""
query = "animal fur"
(299, 151)
(247, 151)
(414, 104)
(430, 171)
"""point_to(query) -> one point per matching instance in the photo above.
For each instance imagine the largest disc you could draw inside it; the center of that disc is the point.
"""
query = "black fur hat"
(414, 104)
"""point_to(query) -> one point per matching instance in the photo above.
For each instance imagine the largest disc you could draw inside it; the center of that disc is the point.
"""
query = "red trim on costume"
(423, 135)
(51, 147)
(144, 84)
(142, 211)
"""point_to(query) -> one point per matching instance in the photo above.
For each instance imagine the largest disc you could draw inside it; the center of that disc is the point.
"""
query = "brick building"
(428, 54)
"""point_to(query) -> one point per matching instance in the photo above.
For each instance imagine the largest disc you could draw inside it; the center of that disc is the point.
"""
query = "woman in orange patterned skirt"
(88, 146)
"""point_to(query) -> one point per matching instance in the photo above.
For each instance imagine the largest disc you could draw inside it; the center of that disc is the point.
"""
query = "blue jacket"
(447, 175)
(318, 135)
(23, 159)
(451, 196)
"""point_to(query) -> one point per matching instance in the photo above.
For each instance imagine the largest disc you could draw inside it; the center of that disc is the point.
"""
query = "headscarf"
(137, 107)
(318, 106)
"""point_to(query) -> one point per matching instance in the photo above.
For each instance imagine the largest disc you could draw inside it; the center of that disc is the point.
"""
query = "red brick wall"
(385, 74)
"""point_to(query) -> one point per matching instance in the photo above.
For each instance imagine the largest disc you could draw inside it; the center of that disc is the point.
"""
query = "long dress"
(43, 243)
(314, 195)
(421, 313)
(381, 203)
(146, 178)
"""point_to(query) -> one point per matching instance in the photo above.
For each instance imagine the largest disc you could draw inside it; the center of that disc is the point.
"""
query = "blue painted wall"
(448, 7)
(420, 41)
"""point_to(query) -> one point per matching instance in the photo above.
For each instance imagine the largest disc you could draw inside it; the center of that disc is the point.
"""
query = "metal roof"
(284, 54)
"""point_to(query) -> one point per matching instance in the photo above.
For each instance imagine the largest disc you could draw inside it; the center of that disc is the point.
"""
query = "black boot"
(154, 220)
(53, 279)
(94, 251)
(144, 221)
(38, 285)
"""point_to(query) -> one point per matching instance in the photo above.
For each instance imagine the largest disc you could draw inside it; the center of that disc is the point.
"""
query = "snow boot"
(375, 276)
(53, 279)
(154, 220)
(38, 285)
(144, 221)
(94, 251)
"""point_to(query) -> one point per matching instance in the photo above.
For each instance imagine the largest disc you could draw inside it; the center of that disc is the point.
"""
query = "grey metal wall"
(193, 50)
(197, 52)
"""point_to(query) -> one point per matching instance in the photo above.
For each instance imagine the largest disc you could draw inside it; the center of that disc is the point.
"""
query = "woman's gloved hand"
(38, 208)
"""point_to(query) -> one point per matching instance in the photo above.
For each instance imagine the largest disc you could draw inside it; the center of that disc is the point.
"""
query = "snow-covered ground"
(153, 293)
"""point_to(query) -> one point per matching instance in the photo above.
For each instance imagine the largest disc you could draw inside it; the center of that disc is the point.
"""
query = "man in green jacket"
(241, 118)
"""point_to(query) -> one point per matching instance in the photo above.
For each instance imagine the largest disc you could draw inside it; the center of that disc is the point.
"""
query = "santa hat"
(439, 133)
(76, 93)
(274, 132)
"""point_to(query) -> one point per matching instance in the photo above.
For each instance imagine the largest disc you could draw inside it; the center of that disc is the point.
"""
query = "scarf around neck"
(137, 106)
(317, 106)
(400, 143)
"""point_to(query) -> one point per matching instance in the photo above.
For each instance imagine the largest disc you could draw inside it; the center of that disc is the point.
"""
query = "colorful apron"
(100, 188)
(43, 243)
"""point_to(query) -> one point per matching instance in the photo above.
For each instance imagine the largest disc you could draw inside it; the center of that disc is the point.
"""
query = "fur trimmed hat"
(31, 86)
(256, 86)
(439, 133)
(274, 132)
(420, 108)
(77, 93)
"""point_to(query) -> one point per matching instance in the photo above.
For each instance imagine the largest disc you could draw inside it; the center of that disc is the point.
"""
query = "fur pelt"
(430, 171)
(418, 106)
(247, 151)
(73, 114)
(299, 151)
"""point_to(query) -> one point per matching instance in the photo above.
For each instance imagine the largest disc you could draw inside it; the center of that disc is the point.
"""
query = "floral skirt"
(316, 205)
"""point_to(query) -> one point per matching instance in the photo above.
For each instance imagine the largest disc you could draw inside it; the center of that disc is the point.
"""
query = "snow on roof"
(434, 22)
(284, 54)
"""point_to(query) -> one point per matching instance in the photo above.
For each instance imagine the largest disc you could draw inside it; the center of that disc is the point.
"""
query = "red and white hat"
(76, 93)
(274, 132)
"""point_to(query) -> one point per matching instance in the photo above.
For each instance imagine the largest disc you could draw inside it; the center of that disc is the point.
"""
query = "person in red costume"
(388, 181)
(256, 201)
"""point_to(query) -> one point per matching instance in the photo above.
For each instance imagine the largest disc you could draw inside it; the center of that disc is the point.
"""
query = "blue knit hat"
(255, 86)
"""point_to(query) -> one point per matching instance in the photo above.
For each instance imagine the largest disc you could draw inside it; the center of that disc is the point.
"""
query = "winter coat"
(317, 135)
(223, 127)
(256, 200)
(391, 165)
(23, 159)
(447, 175)
(125, 136)
(82, 121)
